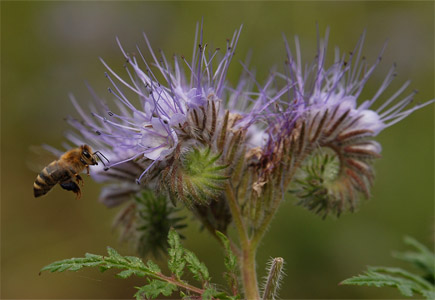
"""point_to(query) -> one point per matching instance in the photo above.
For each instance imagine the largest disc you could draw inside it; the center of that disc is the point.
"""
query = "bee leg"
(72, 186)
(87, 170)
(79, 179)
(78, 194)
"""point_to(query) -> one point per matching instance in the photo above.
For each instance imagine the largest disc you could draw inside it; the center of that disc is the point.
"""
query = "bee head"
(87, 157)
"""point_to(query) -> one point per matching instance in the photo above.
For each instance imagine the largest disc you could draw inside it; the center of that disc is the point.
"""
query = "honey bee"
(65, 171)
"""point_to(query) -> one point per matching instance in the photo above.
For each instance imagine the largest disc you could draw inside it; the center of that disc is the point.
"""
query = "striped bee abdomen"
(48, 178)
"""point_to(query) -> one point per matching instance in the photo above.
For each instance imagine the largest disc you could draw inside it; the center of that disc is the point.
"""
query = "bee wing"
(40, 156)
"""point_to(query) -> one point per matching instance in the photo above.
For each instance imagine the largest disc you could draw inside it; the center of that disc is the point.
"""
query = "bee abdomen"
(45, 180)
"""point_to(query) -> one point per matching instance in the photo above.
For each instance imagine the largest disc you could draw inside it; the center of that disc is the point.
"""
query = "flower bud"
(196, 177)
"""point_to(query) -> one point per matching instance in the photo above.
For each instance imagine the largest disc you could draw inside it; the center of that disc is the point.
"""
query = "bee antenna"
(98, 152)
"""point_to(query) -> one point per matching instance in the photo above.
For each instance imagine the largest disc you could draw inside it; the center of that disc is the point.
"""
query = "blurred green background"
(48, 49)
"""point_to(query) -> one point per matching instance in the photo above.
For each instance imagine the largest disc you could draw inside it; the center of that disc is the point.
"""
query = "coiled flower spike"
(326, 101)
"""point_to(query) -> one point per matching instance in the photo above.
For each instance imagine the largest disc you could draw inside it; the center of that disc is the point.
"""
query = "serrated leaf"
(125, 274)
(406, 282)
(230, 258)
(423, 259)
(176, 261)
(212, 293)
(135, 261)
(230, 261)
(429, 294)
(103, 269)
(380, 280)
(209, 293)
(407, 286)
(93, 256)
(403, 273)
(154, 289)
(153, 267)
(73, 264)
(198, 269)
(133, 265)
(113, 253)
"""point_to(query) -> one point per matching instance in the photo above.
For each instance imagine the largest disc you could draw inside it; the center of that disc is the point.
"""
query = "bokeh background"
(49, 49)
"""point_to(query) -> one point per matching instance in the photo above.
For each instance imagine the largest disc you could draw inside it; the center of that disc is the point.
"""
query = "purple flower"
(327, 112)
(182, 111)
(270, 132)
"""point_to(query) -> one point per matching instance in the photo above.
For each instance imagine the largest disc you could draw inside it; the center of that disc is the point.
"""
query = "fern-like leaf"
(176, 262)
(423, 258)
(132, 265)
(154, 289)
(230, 261)
(406, 282)
(198, 269)
(74, 264)
(158, 284)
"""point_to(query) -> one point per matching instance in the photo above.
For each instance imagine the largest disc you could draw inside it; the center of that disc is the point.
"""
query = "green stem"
(249, 275)
(179, 283)
(186, 286)
(259, 233)
(248, 250)
(237, 215)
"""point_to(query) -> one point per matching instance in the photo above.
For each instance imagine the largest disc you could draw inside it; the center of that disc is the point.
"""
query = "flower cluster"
(191, 133)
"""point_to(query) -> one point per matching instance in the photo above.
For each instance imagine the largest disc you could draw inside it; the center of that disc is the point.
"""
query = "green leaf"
(154, 289)
(125, 274)
(407, 283)
(153, 267)
(74, 264)
(212, 293)
(132, 265)
(209, 293)
(113, 254)
(159, 284)
(230, 258)
(423, 259)
(402, 273)
(198, 269)
(230, 262)
(176, 261)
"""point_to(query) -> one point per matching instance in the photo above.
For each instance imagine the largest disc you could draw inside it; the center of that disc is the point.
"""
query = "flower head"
(191, 131)
(183, 107)
(332, 115)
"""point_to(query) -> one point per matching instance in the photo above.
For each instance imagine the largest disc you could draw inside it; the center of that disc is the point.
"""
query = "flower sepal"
(195, 177)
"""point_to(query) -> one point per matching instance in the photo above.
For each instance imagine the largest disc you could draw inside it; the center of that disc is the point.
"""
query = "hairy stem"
(248, 250)
(273, 279)
(180, 284)
(259, 233)
(249, 274)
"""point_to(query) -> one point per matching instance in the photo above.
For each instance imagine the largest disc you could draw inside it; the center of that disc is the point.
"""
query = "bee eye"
(86, 154)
